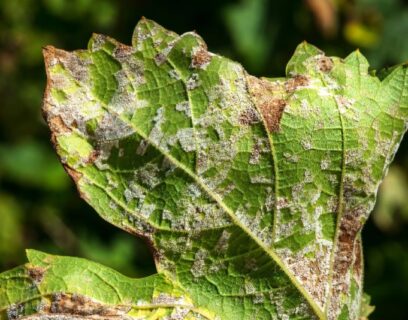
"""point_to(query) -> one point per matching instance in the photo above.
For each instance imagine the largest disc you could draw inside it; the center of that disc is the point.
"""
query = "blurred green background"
(39, 206)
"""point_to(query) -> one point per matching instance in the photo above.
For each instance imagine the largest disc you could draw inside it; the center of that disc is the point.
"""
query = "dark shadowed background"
(39, 206)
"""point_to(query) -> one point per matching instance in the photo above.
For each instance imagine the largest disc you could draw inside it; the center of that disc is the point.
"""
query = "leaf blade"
(184, 147)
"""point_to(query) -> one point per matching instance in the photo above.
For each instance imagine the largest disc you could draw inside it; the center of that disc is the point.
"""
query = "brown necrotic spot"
(160, 58)
(74, 304)
(93, 157)
(36, 273)
(325, 64)
(357, 265)
(200, 58)
(75, 175)
(58, 125)
(347, 255)
(297, 81)
(248, 117)
(268, 99)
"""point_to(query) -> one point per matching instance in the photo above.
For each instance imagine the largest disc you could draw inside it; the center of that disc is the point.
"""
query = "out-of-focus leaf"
(32, 164)
(10, 227)
(246, 23)
(392, 208)
(102, 13)
(127, 255)
(389, 257)
(360, 35)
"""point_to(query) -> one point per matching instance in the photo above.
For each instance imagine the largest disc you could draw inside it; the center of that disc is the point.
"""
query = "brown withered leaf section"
(269, 99)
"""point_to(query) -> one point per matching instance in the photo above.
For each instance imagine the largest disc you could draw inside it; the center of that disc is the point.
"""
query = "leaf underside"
(252, 191)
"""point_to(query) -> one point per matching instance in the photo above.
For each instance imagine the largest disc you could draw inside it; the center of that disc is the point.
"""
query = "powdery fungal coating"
(232, 178)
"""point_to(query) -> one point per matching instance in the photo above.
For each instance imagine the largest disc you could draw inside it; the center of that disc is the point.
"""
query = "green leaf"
(366, 307)
(60, 286)
(252, 192)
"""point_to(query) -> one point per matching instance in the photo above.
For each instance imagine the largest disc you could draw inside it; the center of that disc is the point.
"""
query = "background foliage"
(39, 207)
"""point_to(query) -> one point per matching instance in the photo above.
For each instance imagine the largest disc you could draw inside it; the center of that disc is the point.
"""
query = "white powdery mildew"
(325, 164)
(199, 267)
(260, 179)
(249, 287)
(181, 305)
(281, 203)
(142, 147)
(291, 157)
(285, 229)
(193, 82)
(311, 272)
(15, 311)
(315, 197)
(111, 127)
(309, 178)
(270, 199)
(178, 313)
(156, 135)
(194, 191)
(306, 144)
(174, 74)
(184, 107)
(223, 241)
(278, 298)
(124, 98)
(187, 140)
(258, 298)
(196, 217)
(78, 107)
(255, 225)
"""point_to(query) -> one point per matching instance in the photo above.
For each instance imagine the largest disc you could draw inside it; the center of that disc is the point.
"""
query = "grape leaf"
(252, 191)
(56, 286)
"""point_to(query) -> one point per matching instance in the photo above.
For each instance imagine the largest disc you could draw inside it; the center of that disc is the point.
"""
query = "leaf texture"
(252, 191)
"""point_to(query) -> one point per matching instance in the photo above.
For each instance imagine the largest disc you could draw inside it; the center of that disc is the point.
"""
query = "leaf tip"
(35, 256)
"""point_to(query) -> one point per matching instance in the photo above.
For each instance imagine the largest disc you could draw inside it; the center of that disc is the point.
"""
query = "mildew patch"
(193, 82)
(344, 103)
(15, 311)
(199, 267)
(186, 138)
(223, 241)
(159, 59)
(268, 98)
(184, 107)
(249, 117)
(312, 272)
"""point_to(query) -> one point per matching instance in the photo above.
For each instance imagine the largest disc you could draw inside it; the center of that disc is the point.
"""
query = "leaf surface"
(53, 287)
(251, 191)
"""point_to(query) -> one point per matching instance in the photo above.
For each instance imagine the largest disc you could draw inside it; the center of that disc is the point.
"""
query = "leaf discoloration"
(74, 304)
(268, 100)
(36, 273)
